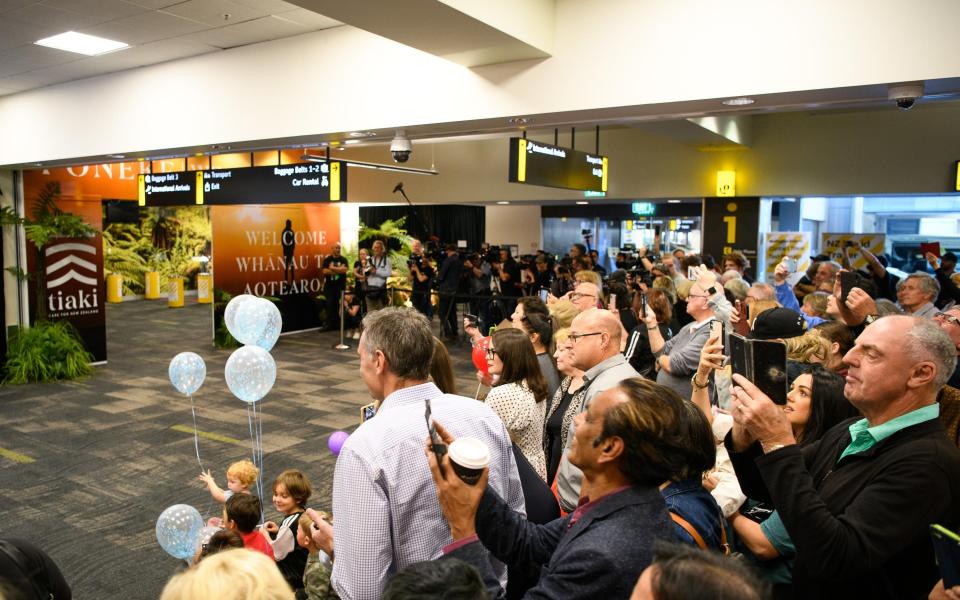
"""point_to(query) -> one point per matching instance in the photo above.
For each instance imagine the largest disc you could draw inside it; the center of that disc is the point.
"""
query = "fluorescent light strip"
(81, 43)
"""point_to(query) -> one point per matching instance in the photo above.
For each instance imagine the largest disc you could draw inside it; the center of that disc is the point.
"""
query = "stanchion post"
(343, 314)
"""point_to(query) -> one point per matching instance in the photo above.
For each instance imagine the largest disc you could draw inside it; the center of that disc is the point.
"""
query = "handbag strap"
(696, 534)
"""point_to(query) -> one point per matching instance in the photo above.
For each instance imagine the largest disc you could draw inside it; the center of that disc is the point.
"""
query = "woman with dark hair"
(533, 318)
(696, 515)
(841, 340)
(519, 393)
(637, 349)
(441, 370)
(814, 405)
(622, 304)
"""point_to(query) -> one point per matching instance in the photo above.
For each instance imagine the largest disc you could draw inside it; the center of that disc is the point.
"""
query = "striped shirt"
(386, 512)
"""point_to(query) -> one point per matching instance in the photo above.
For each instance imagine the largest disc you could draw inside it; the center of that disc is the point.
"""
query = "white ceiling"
(157, 31)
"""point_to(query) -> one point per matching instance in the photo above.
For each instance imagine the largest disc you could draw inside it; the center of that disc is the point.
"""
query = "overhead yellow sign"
(726, 183)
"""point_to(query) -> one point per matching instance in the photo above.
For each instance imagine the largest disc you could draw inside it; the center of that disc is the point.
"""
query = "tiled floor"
(87, 466)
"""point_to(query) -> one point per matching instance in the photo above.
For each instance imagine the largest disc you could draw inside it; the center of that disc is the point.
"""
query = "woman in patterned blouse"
(519, 394)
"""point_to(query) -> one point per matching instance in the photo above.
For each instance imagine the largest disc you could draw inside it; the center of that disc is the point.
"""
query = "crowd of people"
(624, 456)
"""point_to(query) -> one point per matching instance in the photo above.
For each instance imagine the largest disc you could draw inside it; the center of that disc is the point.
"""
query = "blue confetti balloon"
(178, 531)
(250, 373)
(187, 372)
(230, 314)
(273, 324)
(251, 320)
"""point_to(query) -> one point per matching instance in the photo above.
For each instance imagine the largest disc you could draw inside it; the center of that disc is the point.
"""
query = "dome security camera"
(400, 147)
(905, 95)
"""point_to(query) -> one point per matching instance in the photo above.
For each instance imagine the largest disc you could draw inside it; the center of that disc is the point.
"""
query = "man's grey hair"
(887, 307)
(738, 287)
(927, 341)
(404, 337)
(928, 285)
(834, 266)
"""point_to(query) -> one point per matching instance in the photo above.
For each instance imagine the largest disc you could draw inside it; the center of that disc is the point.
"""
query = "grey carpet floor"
(86, 467)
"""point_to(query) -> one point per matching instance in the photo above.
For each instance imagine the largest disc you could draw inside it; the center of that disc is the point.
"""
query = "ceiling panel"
(101, 10)
(160, 25)
(48, 16)
(27, 58)
(6, 5)
(309, 19)
(212, 12)
(251, 32)
(17, 33)
(154, 4)
(273, 7)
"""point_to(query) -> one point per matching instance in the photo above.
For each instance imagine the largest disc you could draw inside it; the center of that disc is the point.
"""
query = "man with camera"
(858, 503)
(448, 283)
(421, 274)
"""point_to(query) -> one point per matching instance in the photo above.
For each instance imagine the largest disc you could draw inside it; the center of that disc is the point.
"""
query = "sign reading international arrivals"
(277, 184)
(535, 163)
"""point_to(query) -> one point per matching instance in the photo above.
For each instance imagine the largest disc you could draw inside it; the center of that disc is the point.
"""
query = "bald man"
(594, 346)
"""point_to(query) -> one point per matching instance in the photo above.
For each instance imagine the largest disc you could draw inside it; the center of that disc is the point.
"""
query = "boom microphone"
(398, 187)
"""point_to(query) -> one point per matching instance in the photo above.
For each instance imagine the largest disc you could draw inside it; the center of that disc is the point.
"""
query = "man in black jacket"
(448, 281)
(858, 503)
(627, 442)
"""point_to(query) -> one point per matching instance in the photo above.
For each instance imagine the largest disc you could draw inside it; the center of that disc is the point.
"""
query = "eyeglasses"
(698, 295)
(575, 337)
(491, 353)
(578, 295)
(948, 318)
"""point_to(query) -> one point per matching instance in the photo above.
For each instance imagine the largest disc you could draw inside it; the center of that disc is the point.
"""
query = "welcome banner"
(275, 251)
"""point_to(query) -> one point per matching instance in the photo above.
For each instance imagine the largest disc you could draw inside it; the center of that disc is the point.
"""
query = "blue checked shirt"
(385, 509)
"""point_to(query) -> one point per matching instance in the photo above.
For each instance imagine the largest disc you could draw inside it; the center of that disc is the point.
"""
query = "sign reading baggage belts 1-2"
(280, 184)
(552, 166)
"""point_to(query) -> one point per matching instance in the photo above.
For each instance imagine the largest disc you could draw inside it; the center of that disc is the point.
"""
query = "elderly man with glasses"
(594, 347)
(949, 321)
(585, 296)
(677, 359)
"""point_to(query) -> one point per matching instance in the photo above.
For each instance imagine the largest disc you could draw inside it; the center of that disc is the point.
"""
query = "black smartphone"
(544, 294)
(848, 279)
(439, 448)
(368, 411)
(643, 306)
(763, 363)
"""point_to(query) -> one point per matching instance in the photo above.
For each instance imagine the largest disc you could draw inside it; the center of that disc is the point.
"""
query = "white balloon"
(250, 373)
(229, 315)
(187, 372)
(274, 323)
(251, 320)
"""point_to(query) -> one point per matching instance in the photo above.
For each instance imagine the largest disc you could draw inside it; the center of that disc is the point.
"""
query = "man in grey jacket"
(595, 349)
(677, 359)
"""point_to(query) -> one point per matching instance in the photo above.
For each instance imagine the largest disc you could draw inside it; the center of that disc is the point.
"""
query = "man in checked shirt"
(386, 513)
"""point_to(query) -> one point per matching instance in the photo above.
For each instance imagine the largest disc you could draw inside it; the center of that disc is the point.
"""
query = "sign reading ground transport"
(552, 166)
(280, 184)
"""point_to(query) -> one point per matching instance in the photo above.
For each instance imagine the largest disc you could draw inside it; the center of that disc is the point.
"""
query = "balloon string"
(196, 436)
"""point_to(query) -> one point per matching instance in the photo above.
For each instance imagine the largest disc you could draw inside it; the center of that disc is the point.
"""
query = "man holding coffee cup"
(386, 517)
(626, 444)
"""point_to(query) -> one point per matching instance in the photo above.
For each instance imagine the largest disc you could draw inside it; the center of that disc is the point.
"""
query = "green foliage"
(48, 351)
(125, 252)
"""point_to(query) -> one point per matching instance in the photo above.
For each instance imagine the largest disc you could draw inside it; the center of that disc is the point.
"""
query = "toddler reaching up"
(240, 476)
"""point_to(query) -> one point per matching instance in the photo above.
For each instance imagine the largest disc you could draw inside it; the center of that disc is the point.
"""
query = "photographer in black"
(510, 283)
(335, 282)
(478, 286)
(542, 276)
(421, 274)
(448, 282)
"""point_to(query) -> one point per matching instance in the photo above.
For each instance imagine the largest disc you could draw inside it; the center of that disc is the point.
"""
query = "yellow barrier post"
(114, 288)
(152, 285)
(204, 288)
(175, 293)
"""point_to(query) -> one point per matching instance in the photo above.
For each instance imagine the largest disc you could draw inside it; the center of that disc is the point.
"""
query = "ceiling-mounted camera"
(401, 147)
(905, 95)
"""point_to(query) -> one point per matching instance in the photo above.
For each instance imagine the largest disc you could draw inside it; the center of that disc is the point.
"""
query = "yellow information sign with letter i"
(334, 182)
(522, 161)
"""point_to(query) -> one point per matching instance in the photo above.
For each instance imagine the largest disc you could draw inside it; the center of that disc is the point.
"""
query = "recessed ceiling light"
(738, 101)
(582, 202)
(115, 156)
(351, 141)
(503, 202)
(81, 43)
(519, 120)
(673, 202)
(362, 134)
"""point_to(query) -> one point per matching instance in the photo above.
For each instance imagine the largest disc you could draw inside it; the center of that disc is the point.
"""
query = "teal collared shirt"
(863, 437)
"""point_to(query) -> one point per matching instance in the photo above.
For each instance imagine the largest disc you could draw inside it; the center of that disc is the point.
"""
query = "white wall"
(614, 53)
(518, 225)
